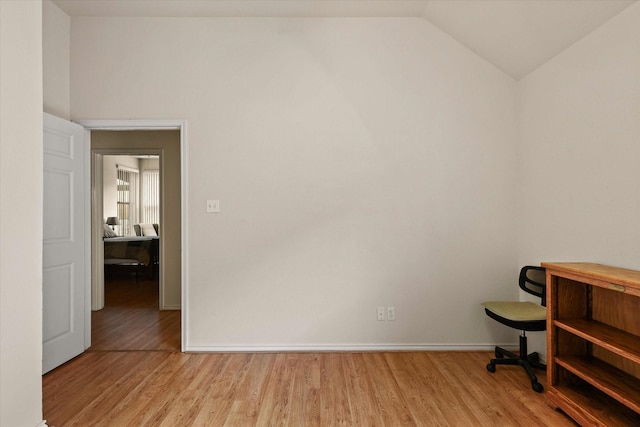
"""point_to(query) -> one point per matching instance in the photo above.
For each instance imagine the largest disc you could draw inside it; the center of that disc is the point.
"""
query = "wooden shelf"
(588, 406)
(593, 343)
(598, 275)
(616, 341)
(610, 380)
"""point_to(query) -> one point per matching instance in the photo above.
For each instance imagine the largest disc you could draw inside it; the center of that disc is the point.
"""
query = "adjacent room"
(352, 181)
(131, 209)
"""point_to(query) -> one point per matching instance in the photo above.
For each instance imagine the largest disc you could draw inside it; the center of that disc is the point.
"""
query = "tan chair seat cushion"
(148, 230)
(516, 310)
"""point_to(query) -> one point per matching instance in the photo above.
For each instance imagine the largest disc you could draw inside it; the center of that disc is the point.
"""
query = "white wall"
(149, 164)
(20, 213)
(580, 151)
(359, 163)
(56, 38)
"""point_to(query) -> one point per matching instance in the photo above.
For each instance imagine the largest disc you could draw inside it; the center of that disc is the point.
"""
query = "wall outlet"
(380, 313)
(213, 206)
(391, 313)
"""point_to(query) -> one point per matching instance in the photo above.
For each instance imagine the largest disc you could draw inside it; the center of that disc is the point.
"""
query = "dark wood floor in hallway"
(114, 384)
(131, 319)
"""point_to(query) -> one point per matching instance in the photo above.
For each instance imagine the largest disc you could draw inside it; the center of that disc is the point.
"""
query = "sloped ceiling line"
(516, 36)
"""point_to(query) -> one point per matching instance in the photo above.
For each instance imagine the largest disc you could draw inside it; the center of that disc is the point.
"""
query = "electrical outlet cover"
(391, 313)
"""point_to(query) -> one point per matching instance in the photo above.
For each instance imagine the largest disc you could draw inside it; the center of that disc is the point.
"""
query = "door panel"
(65, 251)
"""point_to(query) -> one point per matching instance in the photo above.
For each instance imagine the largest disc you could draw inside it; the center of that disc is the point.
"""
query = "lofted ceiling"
(516, 36)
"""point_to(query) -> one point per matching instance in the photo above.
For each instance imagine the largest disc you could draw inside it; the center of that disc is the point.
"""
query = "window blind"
(151, 196)
(127, 199)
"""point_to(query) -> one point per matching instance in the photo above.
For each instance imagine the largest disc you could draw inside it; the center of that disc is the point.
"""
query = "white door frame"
(96, 253)
(97, 220)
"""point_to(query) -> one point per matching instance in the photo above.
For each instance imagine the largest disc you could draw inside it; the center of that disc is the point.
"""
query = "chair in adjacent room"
(146, 229)
(524, 316)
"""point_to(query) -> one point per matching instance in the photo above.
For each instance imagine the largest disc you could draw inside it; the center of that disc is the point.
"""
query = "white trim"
(171, 307)
(42, 423)
(346, 348)
(88, 240)
(180, 125)
(98, 162)
(133, 124)
(185, 214)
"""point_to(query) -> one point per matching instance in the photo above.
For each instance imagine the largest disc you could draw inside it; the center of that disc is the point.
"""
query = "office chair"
(525, 316)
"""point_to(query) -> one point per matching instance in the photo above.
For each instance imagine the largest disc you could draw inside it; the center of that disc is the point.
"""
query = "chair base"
(529, 362)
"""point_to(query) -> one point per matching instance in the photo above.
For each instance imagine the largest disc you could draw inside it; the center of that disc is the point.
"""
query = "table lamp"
(112, 221)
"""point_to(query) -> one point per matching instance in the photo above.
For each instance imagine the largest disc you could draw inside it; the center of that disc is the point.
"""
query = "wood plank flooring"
(294, 389)
(105, 387)
(131, 319)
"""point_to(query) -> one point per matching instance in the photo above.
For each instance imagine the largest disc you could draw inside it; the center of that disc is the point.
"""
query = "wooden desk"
(593, 343)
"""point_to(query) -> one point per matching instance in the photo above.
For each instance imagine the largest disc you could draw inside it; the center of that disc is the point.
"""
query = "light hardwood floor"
(106, 387)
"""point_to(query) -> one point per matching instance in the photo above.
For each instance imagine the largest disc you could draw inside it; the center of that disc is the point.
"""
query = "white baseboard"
(43, 423)
(171, 307)
(342, 348)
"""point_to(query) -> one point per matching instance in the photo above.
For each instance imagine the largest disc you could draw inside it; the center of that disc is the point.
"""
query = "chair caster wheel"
(491, 367)
(537, 387)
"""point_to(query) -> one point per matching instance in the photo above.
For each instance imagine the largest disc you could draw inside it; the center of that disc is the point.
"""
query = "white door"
(66, 248)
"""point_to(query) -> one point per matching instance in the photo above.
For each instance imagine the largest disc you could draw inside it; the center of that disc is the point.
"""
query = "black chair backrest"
(533, 281)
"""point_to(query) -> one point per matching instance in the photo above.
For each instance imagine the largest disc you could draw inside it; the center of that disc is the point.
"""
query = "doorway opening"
(136, 211)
